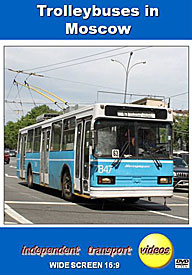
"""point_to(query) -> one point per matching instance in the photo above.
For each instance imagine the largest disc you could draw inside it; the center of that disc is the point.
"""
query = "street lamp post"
(127, 71)
(127, 75)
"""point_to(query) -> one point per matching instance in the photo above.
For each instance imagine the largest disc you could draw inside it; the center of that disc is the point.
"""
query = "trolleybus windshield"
(133, 139)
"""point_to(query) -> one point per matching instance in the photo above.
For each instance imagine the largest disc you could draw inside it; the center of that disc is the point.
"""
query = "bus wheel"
(130, 200)
(30, 178)
(67, 187)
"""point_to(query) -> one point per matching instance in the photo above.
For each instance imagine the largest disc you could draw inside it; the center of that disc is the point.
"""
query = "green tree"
(181, 132)
(12, 128)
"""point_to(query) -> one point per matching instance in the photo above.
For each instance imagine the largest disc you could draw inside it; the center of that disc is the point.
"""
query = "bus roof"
(88, 111)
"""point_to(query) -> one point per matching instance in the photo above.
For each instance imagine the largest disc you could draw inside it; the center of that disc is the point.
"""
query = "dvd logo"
(182, 263)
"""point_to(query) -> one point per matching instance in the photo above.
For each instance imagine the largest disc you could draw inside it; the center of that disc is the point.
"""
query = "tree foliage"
(12, 128)
(181, 132)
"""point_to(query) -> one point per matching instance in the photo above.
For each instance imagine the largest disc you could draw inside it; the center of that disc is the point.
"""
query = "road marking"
(180, 197)
(177, 204)
(16, 216)
(10, 223)
(168, 215)
(163, 214)
(44, 203)
(169, 204)
(9, 176)
(13, 166)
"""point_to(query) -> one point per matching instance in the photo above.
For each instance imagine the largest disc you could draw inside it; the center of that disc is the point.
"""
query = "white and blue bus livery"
(100, 151)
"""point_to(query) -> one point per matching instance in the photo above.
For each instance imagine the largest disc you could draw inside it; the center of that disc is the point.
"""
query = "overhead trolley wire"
(83, 83)
(86, 83)
(72, 81)
(75, 59)
(19, 90)
(30, 91)
(13, 111)
(92, 60)
(24, 72)
(12, 86)
(19, 96)
(78, 82)
(178, 94)
(47, 103)
(26, 102)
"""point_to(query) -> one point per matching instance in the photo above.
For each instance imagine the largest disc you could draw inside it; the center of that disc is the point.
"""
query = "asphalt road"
(44, 206)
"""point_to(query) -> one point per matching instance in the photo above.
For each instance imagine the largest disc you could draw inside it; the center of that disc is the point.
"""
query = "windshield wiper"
(157, 162)
(160, 150)
(123, 150)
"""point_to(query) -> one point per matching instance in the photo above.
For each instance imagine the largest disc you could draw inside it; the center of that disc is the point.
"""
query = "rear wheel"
(67, 187)
(30, 178)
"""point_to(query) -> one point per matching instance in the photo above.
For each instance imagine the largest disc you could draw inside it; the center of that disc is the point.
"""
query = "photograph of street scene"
(96, 135)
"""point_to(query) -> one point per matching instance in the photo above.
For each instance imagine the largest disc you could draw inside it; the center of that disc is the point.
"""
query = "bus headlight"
(106, 180)
(164, 180)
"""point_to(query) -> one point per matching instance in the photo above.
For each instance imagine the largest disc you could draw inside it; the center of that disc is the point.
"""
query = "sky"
(81, 72)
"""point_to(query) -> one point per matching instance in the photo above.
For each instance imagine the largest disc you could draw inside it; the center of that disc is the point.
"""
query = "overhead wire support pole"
(35, 90)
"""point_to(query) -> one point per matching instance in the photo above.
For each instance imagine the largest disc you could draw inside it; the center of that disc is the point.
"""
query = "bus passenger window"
(56, 136)
(68, 134)
(37, 140)
(30, 141)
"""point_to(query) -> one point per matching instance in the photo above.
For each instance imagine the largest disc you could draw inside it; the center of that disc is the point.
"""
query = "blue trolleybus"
(100, 151)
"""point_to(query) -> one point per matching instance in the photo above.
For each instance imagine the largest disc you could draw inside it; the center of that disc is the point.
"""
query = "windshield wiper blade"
(124, 148)
(157, 162)
(160, 150)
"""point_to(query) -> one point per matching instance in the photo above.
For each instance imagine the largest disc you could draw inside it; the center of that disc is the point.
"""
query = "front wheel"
(67, 187)
(30, 178)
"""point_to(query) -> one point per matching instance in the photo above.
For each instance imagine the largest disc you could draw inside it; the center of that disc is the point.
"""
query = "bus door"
(45, 138)
(82, 157)
(22, 155)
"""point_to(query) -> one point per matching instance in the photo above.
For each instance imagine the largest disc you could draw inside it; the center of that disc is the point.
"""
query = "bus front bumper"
(129, 192)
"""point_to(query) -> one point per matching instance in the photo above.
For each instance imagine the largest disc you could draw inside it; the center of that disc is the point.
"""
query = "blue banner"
(91, 251)
(59, 19)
